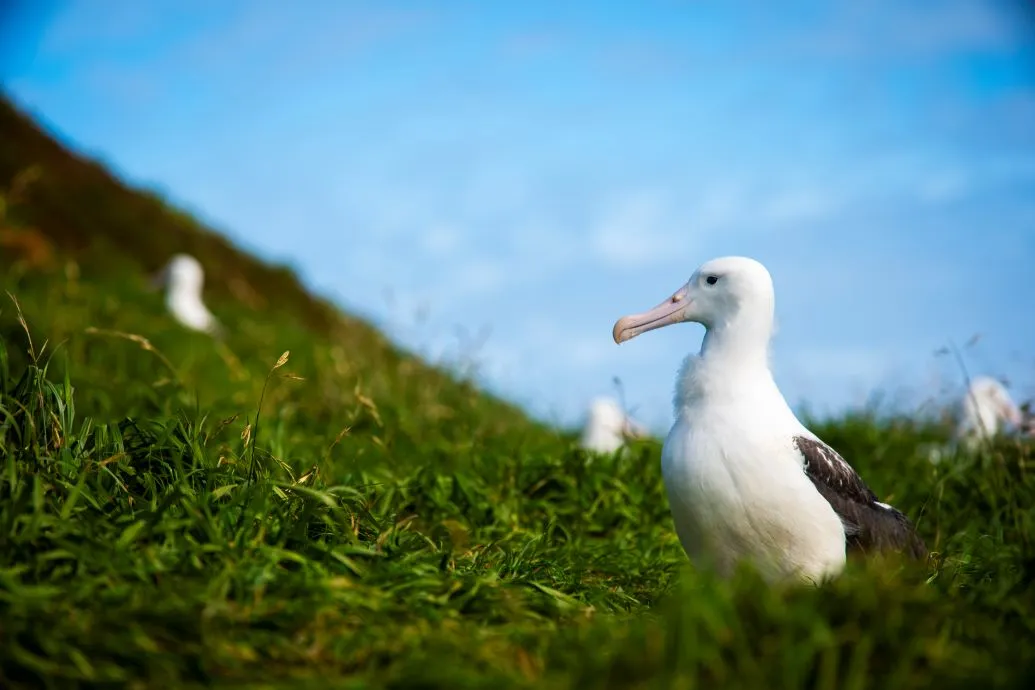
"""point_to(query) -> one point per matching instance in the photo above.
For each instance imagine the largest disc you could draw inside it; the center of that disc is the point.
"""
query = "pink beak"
(634, 430)
(668, 312)
(1013, 414)
(157, 280)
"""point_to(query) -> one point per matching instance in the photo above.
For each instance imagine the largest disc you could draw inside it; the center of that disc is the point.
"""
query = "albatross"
(986, 408)
(745, 479)
(607, 427)
(986, 411)
(183, 278)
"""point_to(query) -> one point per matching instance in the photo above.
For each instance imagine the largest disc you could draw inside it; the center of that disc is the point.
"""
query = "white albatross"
(986, 409)
(183, 278)
(607, 427)
(745, 479)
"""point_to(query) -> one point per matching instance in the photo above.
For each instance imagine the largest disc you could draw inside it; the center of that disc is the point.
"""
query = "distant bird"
(607, 427)
(745, 479)
(985, 411)
(183, 278)
(1027, 420)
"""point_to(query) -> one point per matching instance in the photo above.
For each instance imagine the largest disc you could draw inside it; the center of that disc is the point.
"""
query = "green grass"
(179, 514)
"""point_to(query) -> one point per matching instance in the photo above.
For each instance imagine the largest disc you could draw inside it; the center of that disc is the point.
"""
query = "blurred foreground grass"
(378, 522)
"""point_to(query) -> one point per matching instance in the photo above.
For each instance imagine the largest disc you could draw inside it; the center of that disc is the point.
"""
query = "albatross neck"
(732, 367)
(742, 342)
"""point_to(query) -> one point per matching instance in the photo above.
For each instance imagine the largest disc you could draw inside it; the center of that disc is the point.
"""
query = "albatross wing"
(869, 524)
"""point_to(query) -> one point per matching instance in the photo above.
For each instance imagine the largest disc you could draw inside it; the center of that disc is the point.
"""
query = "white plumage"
(985, 411)
(183, 278)
(745, 479)
(608, 427)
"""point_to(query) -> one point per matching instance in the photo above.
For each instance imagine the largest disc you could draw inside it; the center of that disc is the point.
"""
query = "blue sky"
(513, 177)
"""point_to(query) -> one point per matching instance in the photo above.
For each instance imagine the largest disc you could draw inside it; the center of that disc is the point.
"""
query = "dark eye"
(712, 280)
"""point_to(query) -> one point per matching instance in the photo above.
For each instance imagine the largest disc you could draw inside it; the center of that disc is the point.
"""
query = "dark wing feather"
(869, 524)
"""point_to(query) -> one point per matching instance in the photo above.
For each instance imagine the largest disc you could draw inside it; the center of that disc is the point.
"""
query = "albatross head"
(722, 293)
(183, 275)
(186, 274)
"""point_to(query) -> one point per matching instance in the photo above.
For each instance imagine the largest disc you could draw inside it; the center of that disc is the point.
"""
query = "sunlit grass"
(377, 523)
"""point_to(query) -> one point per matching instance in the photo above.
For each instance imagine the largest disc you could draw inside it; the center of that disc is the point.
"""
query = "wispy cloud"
(635, 230)
(897, 31)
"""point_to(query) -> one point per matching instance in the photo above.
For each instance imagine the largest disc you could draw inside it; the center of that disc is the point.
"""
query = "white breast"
(184, 278)
(738, 492)
(604, 428)
(190, 311)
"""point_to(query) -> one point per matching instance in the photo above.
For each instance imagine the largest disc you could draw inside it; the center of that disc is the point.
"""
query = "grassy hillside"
(179, 514)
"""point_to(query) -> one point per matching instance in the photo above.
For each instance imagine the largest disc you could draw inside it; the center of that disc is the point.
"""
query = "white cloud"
(241, 48)
(441, 239)
(644, 229)
(286, 42)
(478, 277)
(634, 230)
(802, 205)
(839, 362)
(533, 43)
(88, 23)
(942, 187)
(897, 31)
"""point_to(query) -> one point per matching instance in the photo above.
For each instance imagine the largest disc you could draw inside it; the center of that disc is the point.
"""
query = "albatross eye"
(712, 280)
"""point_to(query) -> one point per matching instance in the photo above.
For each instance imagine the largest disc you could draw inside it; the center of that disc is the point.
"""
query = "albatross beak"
(633, 430)
(668, 312)
(1013, 414)
(157, 280)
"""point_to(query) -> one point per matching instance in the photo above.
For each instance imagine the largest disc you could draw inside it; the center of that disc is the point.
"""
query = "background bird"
(183, 278)
(986, 410)
(608, 427)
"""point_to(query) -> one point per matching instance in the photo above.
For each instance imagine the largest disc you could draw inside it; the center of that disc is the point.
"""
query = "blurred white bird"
(985, 412)
(607, 427)
(183, 278)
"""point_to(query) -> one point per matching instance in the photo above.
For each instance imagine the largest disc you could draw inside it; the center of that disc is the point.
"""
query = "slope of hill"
(307, 506)
(78, 205)
(86, 228)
